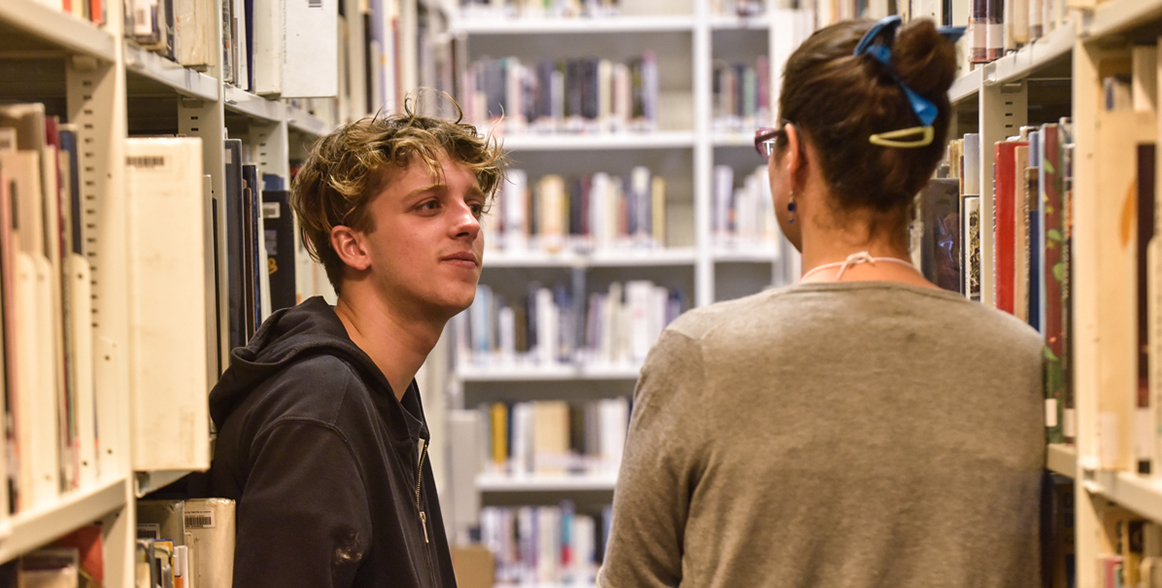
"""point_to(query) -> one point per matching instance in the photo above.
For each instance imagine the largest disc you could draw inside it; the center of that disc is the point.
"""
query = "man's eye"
(477, 209)
(429, 205)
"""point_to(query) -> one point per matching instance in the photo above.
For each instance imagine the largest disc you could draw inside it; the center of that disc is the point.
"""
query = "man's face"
(427, 246)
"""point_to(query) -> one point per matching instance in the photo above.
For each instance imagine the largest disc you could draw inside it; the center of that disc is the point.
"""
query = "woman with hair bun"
(863, 427)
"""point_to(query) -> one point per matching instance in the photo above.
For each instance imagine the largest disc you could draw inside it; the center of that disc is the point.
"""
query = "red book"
(88, 542)
(1005, 222)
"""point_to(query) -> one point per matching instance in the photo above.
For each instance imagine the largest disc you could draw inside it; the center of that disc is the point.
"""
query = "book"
(229, 43)
(161, 519)
(10, 464)
(168, 349)
(1004, 222)
(88, 540)
(34, 169)
(193, 31)
(77, 304)
(970, 194)
(49, 567)
(1145, 429)
(233, 224)
(1021, 233)
(269, 40)
(1036, 278)
(543, 544)
(940, 242)
(1052, 277)
(279, 225)
(242, 43)
(211, 525)
(31, 392)
(1069, 412)
(251, 254)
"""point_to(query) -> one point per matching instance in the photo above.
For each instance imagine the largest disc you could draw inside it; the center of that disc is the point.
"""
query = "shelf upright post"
(1086, 90)
(271, 147)
(96, 104)
(703, 157)
(1004, 109)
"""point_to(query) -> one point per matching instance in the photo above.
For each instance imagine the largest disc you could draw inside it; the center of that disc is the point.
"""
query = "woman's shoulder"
(697, 322)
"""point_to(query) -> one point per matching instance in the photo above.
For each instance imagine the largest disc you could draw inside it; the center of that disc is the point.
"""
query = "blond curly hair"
(348, 167)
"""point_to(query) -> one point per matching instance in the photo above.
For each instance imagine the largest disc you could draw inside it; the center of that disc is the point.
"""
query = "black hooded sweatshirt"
(328, 469)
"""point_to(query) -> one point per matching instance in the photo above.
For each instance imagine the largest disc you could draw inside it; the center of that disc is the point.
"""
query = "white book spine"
(167, 244)
(82, 354)
(211, 526)
(614, 416)
(506, 333)
(547, 317)
(549, 544)
(514, 208)
(723, 190)
(311, 55)
(522, 438)
(599, 207)
(514, 79)
(604, 94)
(36, 411)
(269, 44)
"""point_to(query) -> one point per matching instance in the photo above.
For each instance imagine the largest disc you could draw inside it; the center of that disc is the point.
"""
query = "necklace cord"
(852, 260)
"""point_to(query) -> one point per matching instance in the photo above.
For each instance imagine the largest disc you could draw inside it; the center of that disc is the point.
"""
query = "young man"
(321, 435)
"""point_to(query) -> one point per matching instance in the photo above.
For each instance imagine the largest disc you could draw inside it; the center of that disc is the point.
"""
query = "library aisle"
(635, 194)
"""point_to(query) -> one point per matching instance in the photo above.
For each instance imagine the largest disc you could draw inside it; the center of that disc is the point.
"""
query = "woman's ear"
(348, 245)
(796, 158)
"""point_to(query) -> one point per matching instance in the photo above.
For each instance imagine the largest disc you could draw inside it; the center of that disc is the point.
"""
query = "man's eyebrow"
(428, 188)
(474, 190)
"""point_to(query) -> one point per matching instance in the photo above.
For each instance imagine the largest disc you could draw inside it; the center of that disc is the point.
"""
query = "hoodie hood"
(289, 334)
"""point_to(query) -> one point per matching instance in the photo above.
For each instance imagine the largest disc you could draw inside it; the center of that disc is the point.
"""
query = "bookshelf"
(693, 133)
(111, 90)
(1066, 73)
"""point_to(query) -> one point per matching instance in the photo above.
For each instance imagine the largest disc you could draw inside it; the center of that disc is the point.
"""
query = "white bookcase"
(111, 88)
(687, 38)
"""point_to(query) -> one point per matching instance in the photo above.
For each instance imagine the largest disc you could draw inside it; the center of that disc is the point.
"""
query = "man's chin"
(459, 305)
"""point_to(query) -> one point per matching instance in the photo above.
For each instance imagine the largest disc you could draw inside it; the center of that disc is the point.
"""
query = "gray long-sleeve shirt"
(843, 434)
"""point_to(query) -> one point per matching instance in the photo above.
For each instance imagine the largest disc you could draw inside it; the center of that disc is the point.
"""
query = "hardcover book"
(1004, 222)
(940, 242)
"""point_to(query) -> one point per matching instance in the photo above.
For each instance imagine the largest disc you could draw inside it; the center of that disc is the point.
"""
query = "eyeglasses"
(765, 139)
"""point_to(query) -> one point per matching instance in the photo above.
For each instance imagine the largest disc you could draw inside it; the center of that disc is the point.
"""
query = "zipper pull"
(424, 524)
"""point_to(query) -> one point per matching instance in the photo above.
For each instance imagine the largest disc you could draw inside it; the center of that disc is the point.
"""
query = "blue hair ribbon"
(877, 43)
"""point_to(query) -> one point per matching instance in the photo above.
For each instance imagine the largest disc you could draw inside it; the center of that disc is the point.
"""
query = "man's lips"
(464, 256)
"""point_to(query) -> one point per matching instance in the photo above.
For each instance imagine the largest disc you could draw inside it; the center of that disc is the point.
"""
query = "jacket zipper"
(419, 481)
(423, 514)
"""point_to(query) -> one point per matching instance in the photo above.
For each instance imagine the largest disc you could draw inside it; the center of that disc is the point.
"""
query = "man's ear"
(348, 245)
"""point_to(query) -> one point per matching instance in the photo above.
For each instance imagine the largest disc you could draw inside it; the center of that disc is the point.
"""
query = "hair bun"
(923, 58)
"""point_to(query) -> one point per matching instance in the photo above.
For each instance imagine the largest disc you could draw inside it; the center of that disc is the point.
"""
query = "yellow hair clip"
(889, 139)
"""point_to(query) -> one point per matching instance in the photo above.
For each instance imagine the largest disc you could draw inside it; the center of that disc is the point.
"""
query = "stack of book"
(545, 545)
(596, 212)
(555, 437)
(578, 95)
(565, 325)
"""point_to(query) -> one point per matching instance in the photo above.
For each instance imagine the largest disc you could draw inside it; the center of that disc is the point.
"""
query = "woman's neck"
(854, 252)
